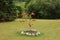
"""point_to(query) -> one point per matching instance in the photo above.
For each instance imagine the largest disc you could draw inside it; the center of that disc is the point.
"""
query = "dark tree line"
(21, 0)
(7, 10)
(47, 9)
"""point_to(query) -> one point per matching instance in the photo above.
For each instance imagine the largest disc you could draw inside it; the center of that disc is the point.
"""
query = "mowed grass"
(49, 28)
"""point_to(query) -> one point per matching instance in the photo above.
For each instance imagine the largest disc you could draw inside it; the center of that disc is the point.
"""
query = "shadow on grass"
(19, 34)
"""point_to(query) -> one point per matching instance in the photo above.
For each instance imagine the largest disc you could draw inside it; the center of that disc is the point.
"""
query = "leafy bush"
(19, 11)
(44, 8)
(7, 10)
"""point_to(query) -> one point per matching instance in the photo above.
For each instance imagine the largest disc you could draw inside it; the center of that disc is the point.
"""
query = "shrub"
(7, 10)
(44, 8)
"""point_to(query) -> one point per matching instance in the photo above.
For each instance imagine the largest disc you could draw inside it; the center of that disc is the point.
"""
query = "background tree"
(44, 8)
(7, 10)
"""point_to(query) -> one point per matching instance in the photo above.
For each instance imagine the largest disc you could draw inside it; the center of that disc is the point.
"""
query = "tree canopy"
(44, 8)
(7, 10)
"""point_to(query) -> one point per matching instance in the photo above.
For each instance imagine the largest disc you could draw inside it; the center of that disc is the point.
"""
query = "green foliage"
(44, 8)
(20, 8)
(20, 0)
(19, 11)
(7, 10)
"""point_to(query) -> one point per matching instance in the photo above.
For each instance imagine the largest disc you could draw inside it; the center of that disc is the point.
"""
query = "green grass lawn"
(49, 28)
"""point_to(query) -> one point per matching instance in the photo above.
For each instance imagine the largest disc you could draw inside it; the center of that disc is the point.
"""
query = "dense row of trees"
(20, 0)
(7, 10)
(49, 9)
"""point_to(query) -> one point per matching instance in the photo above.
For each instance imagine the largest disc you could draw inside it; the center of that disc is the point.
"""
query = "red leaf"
(30, 25)
(22, 21)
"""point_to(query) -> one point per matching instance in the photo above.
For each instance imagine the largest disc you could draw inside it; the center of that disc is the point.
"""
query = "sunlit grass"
(49, 28)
